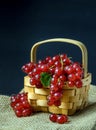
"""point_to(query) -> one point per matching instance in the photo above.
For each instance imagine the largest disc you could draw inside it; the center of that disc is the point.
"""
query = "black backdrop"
(24, 22)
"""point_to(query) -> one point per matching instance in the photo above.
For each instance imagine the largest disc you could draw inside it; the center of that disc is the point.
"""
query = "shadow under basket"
(73, 98)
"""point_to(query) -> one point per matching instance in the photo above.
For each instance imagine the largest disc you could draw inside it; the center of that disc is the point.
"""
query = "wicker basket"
(73, 99)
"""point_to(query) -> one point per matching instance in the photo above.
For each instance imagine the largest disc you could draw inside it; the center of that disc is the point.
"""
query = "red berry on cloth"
(20, 105)
(53, 117)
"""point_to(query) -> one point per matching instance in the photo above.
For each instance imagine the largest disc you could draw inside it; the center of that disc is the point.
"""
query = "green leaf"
(45, 79)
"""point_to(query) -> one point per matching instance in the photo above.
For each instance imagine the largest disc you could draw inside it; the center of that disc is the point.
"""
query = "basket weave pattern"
(73, 98)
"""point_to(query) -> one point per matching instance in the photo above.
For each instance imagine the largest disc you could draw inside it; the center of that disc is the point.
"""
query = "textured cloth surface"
(83, 120)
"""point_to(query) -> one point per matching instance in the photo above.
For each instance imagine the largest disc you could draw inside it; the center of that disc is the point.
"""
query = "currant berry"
(50, 63)
(71, 83)
(27, 112)
(40, 62)
(18, 106)
(53, 117)
(44, 68)
(71, 77)
(56, 58)
(51, 70)
(78, 83)
(33, 81)
(38, 85)
(63, 56)
(63, 78)
(66, 61)
(69, 70)
(50, 100)
(61, 119)
(60, 85)
(25, 104)
(47, 59)
(30, 74)
(18, 113)
(78, 75)
(28, 67)
(57, 95)
(50, 103)
(57, 103)
(54, 87)
(37, 77)
(58, 71)
(54, 79)
(52, 92)
(57, 64)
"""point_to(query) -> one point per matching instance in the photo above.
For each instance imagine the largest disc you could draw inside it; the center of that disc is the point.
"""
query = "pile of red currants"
(20, 105)
(53, 72)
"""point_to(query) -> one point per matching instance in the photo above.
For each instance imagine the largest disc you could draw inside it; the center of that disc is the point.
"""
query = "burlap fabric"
(83, 120)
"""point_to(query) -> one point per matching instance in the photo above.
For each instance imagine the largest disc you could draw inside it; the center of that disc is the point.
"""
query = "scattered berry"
(53, 117)
(20, 105)
(62, 119)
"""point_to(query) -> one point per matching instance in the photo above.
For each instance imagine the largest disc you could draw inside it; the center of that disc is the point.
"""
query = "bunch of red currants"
(53, 72)
(20, 105)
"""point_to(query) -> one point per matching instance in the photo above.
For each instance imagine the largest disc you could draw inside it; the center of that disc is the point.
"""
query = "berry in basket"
(52, 73)
(59, 68)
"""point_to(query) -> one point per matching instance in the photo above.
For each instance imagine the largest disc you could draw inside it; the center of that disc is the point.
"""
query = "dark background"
(24, 22)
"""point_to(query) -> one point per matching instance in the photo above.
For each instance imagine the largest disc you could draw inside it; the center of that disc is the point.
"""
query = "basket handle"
(70, 41)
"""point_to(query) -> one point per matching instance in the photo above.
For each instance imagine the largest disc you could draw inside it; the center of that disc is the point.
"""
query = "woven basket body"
(73, 98)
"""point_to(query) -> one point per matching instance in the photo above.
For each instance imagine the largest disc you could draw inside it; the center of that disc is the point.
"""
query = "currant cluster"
(52, 72)
(20, 105)
(61, 119)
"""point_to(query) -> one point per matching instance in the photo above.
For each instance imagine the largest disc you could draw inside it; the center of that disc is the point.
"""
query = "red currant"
(33, 81)
(62, 78)
(70, 70)
(38, 85)
(78, 75)
(66, 61)
(44, 68)
(47, 59)
(57, 95)
(31, 74)
(57, 103)
(56, 58)
(58, 71)
(53, 117)
(54, 79)
(27, 112)
(63, 56)
(78, 83)
(28, 67)
(54, 87)
(51, 63)
(57, 64)
(51, 70)
(18, 113)
(61, 119)
(71, 77)
(60, 85)
(50, 100)
(71, 83)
